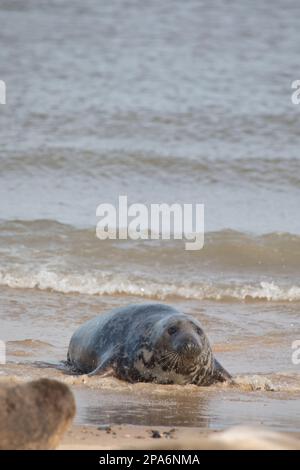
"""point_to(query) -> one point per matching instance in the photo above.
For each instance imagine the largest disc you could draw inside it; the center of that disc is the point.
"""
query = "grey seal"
(146, 343)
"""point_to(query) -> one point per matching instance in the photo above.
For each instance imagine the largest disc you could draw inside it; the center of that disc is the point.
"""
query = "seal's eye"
(199, 330)
(172, 330)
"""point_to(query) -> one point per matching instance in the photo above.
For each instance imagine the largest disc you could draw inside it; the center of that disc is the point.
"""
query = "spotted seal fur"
(146, 343)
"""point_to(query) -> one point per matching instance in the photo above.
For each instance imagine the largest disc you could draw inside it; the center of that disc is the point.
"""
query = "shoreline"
(129, 437)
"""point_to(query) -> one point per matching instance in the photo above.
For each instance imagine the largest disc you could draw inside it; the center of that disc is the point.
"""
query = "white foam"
(109, 284)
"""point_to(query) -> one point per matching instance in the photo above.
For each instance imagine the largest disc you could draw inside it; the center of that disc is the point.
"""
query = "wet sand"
(251, 339)
(128, 437)
(255, 400)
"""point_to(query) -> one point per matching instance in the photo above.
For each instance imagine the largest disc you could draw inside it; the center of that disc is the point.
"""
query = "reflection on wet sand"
(140, 409)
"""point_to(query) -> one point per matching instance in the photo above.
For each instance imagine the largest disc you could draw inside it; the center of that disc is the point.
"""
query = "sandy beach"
(129, 437)
(111, 414)
(110, 437)
(163, 438)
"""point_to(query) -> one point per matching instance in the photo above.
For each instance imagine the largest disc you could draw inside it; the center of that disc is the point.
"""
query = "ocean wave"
(105, 284)
(223, 250)
(115, 162)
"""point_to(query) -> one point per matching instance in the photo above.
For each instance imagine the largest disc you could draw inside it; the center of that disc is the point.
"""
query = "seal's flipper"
(103, 371)
(220, 374)
(105, 368)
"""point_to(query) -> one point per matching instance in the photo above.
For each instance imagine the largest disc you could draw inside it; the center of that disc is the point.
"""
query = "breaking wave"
(114, 284)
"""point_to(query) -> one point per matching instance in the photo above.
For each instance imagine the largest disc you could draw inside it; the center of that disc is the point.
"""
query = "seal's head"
(181, 347)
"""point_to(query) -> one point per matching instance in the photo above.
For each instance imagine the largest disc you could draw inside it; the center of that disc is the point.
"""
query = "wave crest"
(113, 284)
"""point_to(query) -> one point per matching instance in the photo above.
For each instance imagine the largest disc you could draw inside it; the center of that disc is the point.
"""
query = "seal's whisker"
(175, 361)
(168, 354)
(181, 360)
(167, 358)
(170, 359)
